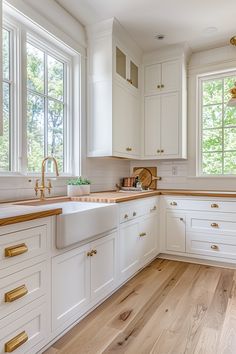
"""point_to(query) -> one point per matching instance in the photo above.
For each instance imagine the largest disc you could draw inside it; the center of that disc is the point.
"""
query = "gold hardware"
(134, 213)
(173, 203)
(181, 219)
(130, 81)
(214, 224)
(94, 251)
(214, 247)
(126, 216)
(154, 208)
(128, 149)
(16, 342)
(158, 151)
(41, 188)
(15, 294)
(162, 86)
(233, 40)
(91, 253)
(16, 250)
(214, 206)
(158, 86)
(142, 234)
(162, 150)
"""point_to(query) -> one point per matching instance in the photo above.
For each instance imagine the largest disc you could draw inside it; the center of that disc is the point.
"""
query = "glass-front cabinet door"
(126, 68)
(120, 63)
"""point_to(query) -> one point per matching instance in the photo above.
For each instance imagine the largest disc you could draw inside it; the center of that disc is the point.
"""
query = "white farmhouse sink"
(80, 221)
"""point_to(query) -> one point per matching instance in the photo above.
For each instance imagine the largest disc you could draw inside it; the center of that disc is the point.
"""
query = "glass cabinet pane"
(134, 74)
(120, 63)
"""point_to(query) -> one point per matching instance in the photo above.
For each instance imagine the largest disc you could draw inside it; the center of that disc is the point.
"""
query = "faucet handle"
(49, 187)
(36, 187)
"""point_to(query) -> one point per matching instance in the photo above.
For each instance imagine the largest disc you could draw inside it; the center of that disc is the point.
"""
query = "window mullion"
(45, 105)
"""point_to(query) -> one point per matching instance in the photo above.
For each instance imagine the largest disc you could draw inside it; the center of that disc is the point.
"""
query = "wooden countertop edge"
(198, 193)
(29, 216)
(119, 199)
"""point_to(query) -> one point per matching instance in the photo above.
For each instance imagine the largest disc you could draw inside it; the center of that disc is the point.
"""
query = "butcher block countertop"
(13, 214)
(119, 197)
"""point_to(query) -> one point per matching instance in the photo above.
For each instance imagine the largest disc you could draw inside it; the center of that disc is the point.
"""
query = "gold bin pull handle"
(15, 294)
(214, 205)
(16, 342)
(16, 250)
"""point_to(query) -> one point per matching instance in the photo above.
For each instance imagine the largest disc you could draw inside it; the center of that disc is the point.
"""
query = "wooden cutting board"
(145, 174)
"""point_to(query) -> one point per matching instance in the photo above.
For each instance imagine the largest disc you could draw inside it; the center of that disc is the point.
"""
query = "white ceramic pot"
(76, 191)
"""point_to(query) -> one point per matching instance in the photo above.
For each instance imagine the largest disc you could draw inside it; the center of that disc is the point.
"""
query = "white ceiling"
(179, 20)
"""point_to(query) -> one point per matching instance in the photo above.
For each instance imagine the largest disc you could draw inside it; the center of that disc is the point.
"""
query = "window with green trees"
(218, 126)
(37, 99)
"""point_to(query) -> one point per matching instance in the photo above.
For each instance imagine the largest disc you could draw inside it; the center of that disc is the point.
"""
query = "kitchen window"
(37, 100)
(217, 125)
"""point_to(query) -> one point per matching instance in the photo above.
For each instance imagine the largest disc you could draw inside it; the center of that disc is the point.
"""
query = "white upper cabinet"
(165, 106)
(114, 104)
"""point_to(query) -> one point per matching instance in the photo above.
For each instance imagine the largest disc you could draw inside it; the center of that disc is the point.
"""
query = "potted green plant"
(78, 186)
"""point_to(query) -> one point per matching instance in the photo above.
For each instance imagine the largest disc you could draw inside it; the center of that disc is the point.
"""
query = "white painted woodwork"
(148, 243)
(152, 78)
(103, 266)
(70, 285)
(175, 232)
(129, 249)
(169, 129)
(113, 102)
(35, 279)
(201, 204)
(1, 105)
(35, 239)
(171, 76)
(34, 320)
(152, 125)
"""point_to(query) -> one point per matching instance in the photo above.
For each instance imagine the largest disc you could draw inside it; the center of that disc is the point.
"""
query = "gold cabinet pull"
(158, 86)
(142, 234)
(153, 209)
(162, 86)
(130, 81)
(126, 216)
(94, 251)
(128, 149)
(162, 150)
(91, 253)
(134, 213)
(214, 224)
(16, 250)
(158, 151)
(15, 294)
(214, 205)
(214, 247)
(173, 203)
(16, 342)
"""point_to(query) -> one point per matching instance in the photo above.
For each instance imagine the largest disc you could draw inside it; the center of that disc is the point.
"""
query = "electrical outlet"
(174, 170)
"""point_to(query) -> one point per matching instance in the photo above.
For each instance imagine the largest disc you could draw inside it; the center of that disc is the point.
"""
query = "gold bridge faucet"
(42, 188)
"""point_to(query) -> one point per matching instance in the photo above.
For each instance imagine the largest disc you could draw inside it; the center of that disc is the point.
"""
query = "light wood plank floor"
(169, 307)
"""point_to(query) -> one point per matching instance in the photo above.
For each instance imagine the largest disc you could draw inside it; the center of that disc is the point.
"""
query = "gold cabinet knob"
(15, 294)
(158, 86)
(173, 203)
(89, 254)
(162, 150)
(94, 251)
(181, 219)
(214, 224)
(214, 205)
(142, 234)
(134, 213)
(214, 247)
(158, 151)
(130, 81)
(126, 216)
(15, 250)
(153, 209)
(128, 149)
(162, 86)
(16, 342)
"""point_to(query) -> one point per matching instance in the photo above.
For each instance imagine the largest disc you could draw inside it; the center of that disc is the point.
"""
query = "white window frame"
(200, 80)
(22, 33)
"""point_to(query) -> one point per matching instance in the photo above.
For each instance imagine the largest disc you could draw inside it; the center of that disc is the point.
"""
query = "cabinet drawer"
(30, 329)
(22, 245)
(21, 288)
(129, 212)
(212, 222)
(201, 205)
(216, 246)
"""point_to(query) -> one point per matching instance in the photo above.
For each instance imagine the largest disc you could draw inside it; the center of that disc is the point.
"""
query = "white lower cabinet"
(148, 238)
(103, 266)
(129, 249)
(80, 276)
(175, 231)
(70, 285)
